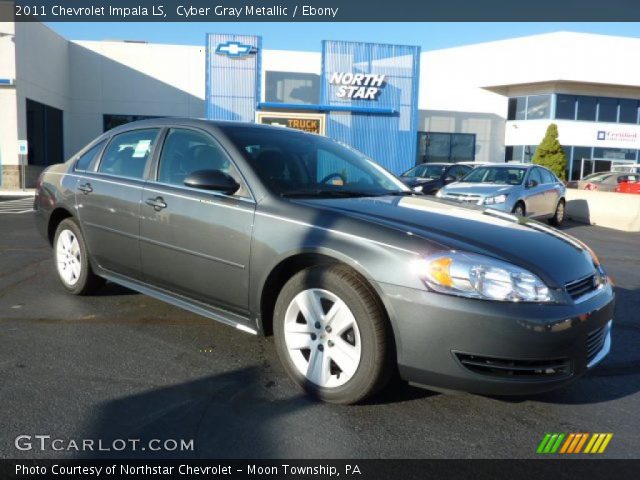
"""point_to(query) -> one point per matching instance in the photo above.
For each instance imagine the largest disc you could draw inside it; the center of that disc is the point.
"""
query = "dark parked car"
(428, 178)
(274, 230)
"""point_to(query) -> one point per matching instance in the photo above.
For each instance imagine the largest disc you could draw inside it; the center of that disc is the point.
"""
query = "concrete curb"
(18, 193)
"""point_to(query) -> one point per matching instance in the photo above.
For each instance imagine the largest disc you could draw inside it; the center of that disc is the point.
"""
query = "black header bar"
(317, 10)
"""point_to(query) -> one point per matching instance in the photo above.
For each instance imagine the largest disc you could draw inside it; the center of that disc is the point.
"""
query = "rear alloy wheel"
(72, 263)
(519, 210)
(331, 334)
(558, 216)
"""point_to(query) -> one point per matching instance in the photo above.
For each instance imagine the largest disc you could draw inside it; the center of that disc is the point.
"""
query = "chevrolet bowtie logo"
(235, 49)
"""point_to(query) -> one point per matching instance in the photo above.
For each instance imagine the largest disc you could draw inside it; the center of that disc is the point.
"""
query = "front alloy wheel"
(322, 337)
(332, 334)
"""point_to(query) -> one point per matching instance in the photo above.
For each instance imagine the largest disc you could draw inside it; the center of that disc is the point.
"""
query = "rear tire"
(558, 216)
(72, 261)
(519, 209)
(332, 334)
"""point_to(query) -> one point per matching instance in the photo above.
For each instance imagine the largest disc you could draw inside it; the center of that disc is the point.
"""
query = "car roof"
(510, 165)
(196, 122)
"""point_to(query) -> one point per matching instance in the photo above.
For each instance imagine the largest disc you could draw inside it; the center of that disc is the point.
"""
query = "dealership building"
(488, 102)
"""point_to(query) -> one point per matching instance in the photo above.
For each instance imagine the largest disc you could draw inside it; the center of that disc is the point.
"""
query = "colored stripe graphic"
(598, 443)
(572, 443)
(550, 443)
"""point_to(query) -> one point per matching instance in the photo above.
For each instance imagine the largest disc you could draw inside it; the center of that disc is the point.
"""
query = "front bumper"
(496, 348)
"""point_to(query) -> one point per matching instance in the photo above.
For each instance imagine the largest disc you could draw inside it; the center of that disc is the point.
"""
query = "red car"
(629, 187)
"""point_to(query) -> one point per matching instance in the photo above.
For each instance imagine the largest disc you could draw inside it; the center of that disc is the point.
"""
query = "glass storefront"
(604, 157)
(446, 147)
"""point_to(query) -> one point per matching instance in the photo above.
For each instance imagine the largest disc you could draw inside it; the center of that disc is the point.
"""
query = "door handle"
(86, 188)
(157, 203)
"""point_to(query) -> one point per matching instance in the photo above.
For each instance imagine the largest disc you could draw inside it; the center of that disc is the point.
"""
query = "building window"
(628, 111)
(538, 106)
(607, 110)
(514, 153)
(529, 152)
(586, 108)
(614, 153)
(532, 107)
(446, 147)
(580, 153)
(517, 108)
(113, 121)
(565, 107)
(44, 134)
(291, 87)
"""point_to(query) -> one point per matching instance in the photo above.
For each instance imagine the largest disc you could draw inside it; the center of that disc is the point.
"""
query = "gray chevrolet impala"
(274, 231)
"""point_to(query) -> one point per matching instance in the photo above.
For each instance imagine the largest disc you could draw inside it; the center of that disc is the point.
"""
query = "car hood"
(483, 189)
(437, 224)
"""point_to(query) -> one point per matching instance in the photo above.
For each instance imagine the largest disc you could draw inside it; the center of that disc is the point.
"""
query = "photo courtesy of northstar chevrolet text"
(318, 239)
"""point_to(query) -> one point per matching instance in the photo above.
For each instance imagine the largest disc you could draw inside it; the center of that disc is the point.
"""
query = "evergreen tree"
(550, 153)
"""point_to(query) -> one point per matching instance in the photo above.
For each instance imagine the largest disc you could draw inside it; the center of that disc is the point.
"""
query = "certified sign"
(23, 147)
(307, 122)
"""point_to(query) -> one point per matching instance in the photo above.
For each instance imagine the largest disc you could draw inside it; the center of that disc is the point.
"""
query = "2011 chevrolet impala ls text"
(277, 231)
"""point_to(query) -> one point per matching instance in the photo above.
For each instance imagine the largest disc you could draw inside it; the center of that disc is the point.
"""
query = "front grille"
(578, 288)
(505, 367)
(462, 197)
(595, 342)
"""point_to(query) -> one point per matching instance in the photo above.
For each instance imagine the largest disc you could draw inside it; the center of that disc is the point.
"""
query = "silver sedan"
(523, 189)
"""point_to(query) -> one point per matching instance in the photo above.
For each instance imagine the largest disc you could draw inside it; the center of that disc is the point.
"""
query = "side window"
(535, 176)
(458, 172)
(547, 176)
(87, 157)
(127, 154)
(186, 151)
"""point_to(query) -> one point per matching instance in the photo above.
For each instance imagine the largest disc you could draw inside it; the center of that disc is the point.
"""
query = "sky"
(307, 36)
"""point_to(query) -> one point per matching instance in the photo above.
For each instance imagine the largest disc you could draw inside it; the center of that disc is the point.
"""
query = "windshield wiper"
(325, 193)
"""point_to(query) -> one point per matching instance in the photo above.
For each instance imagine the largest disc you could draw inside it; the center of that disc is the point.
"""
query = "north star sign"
(357, 86)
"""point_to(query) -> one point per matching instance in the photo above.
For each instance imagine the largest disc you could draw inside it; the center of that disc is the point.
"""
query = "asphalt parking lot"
(123, 365)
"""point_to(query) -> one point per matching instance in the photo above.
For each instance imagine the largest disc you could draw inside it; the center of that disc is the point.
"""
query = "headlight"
(496, 199)
(477, 276)
(418, 188)
(439, 193)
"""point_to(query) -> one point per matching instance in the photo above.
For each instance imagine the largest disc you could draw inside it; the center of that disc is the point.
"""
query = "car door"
(552, 191)
(534, 193)
(108, 199)
(196, 242)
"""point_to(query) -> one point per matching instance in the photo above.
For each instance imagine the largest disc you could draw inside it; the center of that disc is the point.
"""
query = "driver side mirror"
(532, 184)
(449, 179)
(214, 180)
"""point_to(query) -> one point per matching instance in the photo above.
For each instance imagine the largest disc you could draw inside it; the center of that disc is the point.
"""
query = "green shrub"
(550, 154)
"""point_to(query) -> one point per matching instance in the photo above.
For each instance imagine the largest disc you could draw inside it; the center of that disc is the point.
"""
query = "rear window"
(127, 154)
(87, 157)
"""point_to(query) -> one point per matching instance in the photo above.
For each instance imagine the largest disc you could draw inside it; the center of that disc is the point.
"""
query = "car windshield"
(425, 171)
(292, 163)
(496, 175)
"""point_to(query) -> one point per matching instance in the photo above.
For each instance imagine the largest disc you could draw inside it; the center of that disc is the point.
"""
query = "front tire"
(72, 261)
(519, 209)
(332, 334)
(558, 216)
